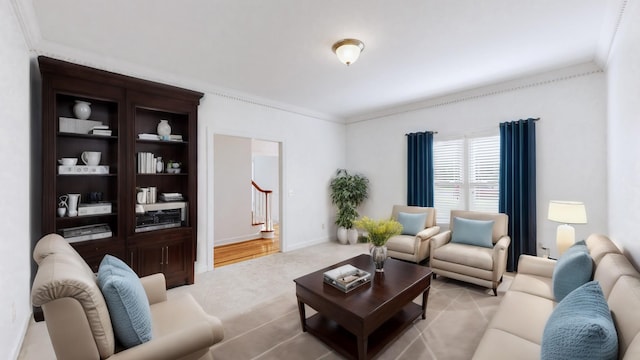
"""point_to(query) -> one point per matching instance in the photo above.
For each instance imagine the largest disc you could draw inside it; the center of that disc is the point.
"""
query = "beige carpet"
(256, 302)
(456, 317)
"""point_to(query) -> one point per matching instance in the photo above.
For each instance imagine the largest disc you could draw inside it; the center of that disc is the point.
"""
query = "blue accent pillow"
(412, 223)
(127, 301)
(472, 232)
(573, 269)
(581, 327)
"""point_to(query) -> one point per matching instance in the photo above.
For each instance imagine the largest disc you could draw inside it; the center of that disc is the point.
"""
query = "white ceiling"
(279, 51)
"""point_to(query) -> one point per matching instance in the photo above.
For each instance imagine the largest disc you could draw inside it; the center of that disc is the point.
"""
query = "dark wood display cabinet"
(152, 233)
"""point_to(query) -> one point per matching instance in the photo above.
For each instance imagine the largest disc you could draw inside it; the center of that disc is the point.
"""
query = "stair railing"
(261, 209)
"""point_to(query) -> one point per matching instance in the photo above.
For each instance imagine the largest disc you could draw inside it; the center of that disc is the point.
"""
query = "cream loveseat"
(516, 329)
(413, 245)
(480, 265)
(78, 319)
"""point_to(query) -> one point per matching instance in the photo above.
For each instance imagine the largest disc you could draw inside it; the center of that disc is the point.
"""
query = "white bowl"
(68, 161)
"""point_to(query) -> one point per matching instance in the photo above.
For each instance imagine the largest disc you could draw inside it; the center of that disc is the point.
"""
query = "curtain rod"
(422, 132)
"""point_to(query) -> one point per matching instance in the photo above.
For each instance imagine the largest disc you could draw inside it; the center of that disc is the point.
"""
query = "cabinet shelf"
(86, 175)
(87, 136)
(165, 174)
(70, 219)
(163, 142)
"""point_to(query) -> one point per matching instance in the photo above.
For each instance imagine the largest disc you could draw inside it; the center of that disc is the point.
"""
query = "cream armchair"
(480, 265)
(413, 246)
(78, 319)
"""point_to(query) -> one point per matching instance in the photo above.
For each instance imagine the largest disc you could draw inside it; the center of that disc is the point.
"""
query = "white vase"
(352, 236)
(82, 109)
(342, 235)
(74, 199)
(164, 129)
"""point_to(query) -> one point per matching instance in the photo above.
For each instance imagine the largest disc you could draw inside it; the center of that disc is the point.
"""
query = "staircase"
(261, 210)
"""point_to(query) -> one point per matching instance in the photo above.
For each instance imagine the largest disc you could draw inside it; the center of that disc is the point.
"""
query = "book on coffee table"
(346, 277)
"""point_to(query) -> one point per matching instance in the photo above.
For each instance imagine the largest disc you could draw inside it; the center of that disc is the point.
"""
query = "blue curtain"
(420, 169)
(518, 186)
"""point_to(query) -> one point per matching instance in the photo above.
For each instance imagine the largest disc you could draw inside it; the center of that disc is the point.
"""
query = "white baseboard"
(237, 239)
(292, 247)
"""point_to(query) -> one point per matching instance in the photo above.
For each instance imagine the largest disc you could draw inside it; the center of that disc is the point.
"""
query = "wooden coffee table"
(361, 323)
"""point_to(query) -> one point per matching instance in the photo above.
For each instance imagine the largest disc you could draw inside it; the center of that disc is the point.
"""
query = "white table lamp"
(566, 212)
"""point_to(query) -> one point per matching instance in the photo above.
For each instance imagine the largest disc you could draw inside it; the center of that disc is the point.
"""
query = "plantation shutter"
(448, 164)
(484, 173)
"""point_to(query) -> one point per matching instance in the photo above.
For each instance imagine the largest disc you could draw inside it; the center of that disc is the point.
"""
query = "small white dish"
(68, 161)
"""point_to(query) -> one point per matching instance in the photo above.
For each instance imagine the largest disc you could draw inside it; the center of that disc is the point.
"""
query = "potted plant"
(348, 191)
(378, 232)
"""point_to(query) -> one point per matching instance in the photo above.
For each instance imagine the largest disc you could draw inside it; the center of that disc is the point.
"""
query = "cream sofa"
(78, 320)
(414, 248)
(473, 264)
(515, 331)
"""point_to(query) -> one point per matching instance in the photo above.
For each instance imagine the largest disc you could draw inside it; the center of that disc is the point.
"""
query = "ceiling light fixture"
(348, 50)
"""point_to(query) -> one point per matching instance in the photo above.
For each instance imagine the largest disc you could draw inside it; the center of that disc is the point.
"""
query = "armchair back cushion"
(473, 232)
(62, 273)
(500, 221)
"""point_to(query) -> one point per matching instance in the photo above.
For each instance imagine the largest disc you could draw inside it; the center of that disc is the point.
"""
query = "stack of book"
(87, 232)
(102, 130)
(171, 197)
(346, 277)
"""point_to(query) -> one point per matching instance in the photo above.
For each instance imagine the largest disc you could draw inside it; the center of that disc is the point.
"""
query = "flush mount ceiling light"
(348, 50)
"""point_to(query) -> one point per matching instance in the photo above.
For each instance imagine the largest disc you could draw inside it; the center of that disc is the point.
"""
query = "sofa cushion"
(472, 256)
(472, 232)
(127, 302)
(402, 243)
(412, 223)
(581, 327)
(573, 269)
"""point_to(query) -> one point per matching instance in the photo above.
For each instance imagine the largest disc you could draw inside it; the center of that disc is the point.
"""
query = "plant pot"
(352, 236)
(342, 235)
(379, 255)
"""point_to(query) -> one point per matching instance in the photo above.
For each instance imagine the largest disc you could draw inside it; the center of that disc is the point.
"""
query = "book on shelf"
(171, 197)
(101, 132)
(146, 163)
(87, 232)
(346, 277)
(144, 136)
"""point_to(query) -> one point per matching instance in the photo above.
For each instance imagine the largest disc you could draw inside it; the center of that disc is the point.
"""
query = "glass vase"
(379, 255)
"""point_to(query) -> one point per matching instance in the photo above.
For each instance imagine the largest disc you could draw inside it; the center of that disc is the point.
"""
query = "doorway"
(237, 162)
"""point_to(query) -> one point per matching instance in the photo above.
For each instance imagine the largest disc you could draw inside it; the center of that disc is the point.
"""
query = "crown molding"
(462, 95)
(26, 16)
(609, 32)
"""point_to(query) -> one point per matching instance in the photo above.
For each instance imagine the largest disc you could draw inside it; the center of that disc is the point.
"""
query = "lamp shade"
(567, 212)
(348, 50)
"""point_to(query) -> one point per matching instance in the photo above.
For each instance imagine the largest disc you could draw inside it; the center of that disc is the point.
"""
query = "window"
(466, 175)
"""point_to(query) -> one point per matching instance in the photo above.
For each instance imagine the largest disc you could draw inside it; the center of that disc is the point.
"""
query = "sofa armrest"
(500, 256)
(428, 233)
(172, 346)
(534, 265)
(440, 240)
(155, 287)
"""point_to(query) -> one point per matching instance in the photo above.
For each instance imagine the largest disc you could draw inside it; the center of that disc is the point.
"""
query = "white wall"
(232, 189)
(571, 141)
(15, 245)
(623, 79)
(312, 150)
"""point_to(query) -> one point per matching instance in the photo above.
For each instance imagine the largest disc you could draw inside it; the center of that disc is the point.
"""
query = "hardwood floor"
(246, 250)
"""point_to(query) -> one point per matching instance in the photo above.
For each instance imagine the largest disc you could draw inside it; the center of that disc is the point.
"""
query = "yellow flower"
(379, 231)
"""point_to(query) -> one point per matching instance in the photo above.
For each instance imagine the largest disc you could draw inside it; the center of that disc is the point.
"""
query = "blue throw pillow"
(127, 301)
(412, 223)
(472, 232)
(573, 269)
(581, 327)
